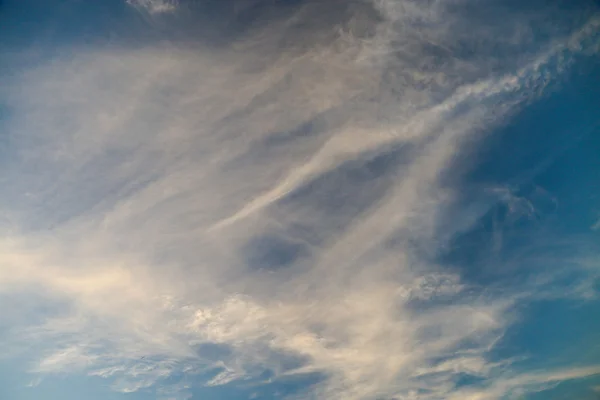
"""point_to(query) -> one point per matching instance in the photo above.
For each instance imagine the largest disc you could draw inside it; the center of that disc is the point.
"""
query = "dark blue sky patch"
(49, 25)
(214, 351)
(463, 380)
(552, 333)
(537, 179)
(541, 133)
(327, 204)
(272, 251)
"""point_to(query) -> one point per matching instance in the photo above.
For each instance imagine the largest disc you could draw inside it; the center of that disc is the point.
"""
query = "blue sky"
(251, 199)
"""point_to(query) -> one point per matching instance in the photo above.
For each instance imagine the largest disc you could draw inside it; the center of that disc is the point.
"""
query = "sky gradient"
(299, 199)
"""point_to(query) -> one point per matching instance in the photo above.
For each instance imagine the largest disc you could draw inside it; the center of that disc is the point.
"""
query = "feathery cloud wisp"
(223, 213)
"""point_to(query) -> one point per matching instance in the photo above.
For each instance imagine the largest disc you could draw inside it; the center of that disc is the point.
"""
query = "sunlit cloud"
(220, 213)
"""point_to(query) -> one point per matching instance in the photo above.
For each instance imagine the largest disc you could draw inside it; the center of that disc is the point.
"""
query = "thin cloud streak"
(149, 179)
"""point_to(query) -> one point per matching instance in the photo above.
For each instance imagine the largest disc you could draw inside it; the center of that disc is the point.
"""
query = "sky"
(299, 199)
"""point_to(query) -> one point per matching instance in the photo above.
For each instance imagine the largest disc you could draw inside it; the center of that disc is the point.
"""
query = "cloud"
(147, 177)
(528, 383)
(155, 6)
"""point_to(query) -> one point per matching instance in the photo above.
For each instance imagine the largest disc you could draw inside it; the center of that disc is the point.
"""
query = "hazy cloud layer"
(274, 206)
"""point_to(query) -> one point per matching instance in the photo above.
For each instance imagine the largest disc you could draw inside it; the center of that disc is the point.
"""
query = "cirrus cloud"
(266, 209)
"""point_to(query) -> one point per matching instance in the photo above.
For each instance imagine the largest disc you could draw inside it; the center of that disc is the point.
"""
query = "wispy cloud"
(280, 203)
(525, 383)
(155, 6)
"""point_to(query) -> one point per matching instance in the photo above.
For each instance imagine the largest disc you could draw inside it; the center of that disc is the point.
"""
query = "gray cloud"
(155, 6)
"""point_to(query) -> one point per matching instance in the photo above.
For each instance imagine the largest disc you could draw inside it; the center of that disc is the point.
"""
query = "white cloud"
(155, 6)
(145, 173)
(516, 386)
